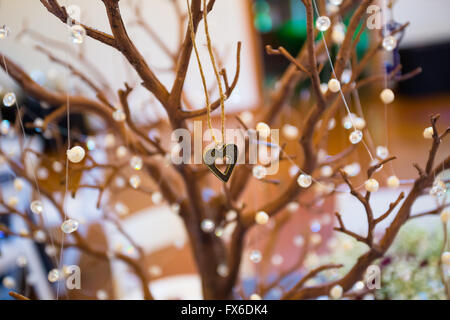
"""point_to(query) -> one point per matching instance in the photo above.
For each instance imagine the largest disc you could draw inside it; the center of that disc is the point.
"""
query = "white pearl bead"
(324, 87)
(304, 180)
(336, 292)
(323, 23)
(222, 270)
(334, 85)
(246, 117)
(326, 171)
(261, 217)
(338, 35)
(352, 169)
(263, 129)
(290, 132)
(157, 197)
(18, 184)
(9, 282)
(121, 209)
(299, 240)
(39, 236)
(277, 259)
(255, 296)
(121, 152)
(231, 215)
(76, 154)
(382, 152)
(356, 137)
(387, 96)
(359, 123)
(371, 185)
(119, 115)
(445, 215)
(110, 140)
(446, 258)
(336, 2)
(428, 133)
(13, 201)
(57, 166)
(393, 182)
(101, 294)
(292, 207)
(207, 225)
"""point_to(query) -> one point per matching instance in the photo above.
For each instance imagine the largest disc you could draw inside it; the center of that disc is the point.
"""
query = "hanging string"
(25, 156)
(216, 72)
(202, 73)
(386, 128)
(340, 89)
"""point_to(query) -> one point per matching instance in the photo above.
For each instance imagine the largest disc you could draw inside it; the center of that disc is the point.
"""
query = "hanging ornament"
(323, 23)
(221, 150)
(230, 151)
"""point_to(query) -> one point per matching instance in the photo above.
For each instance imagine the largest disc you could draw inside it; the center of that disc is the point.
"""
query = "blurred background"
(24, 264)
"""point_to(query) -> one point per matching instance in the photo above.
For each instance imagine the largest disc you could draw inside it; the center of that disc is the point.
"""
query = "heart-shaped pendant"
(229, 151)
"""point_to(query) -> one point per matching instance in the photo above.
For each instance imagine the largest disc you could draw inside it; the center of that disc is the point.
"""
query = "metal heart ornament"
(229, 151)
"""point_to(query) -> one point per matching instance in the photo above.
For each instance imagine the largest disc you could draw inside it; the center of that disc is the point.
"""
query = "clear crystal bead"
(9, 99)
(259, 172)
(389, 43)
(69, 226)
(37, 206)
(53, 275)
(135, 181)
(304, 180)
(356, 136)
(323, 23)
(136, 163)
(438, 189)
(255, 256)
(4, 32)
(77, 34)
